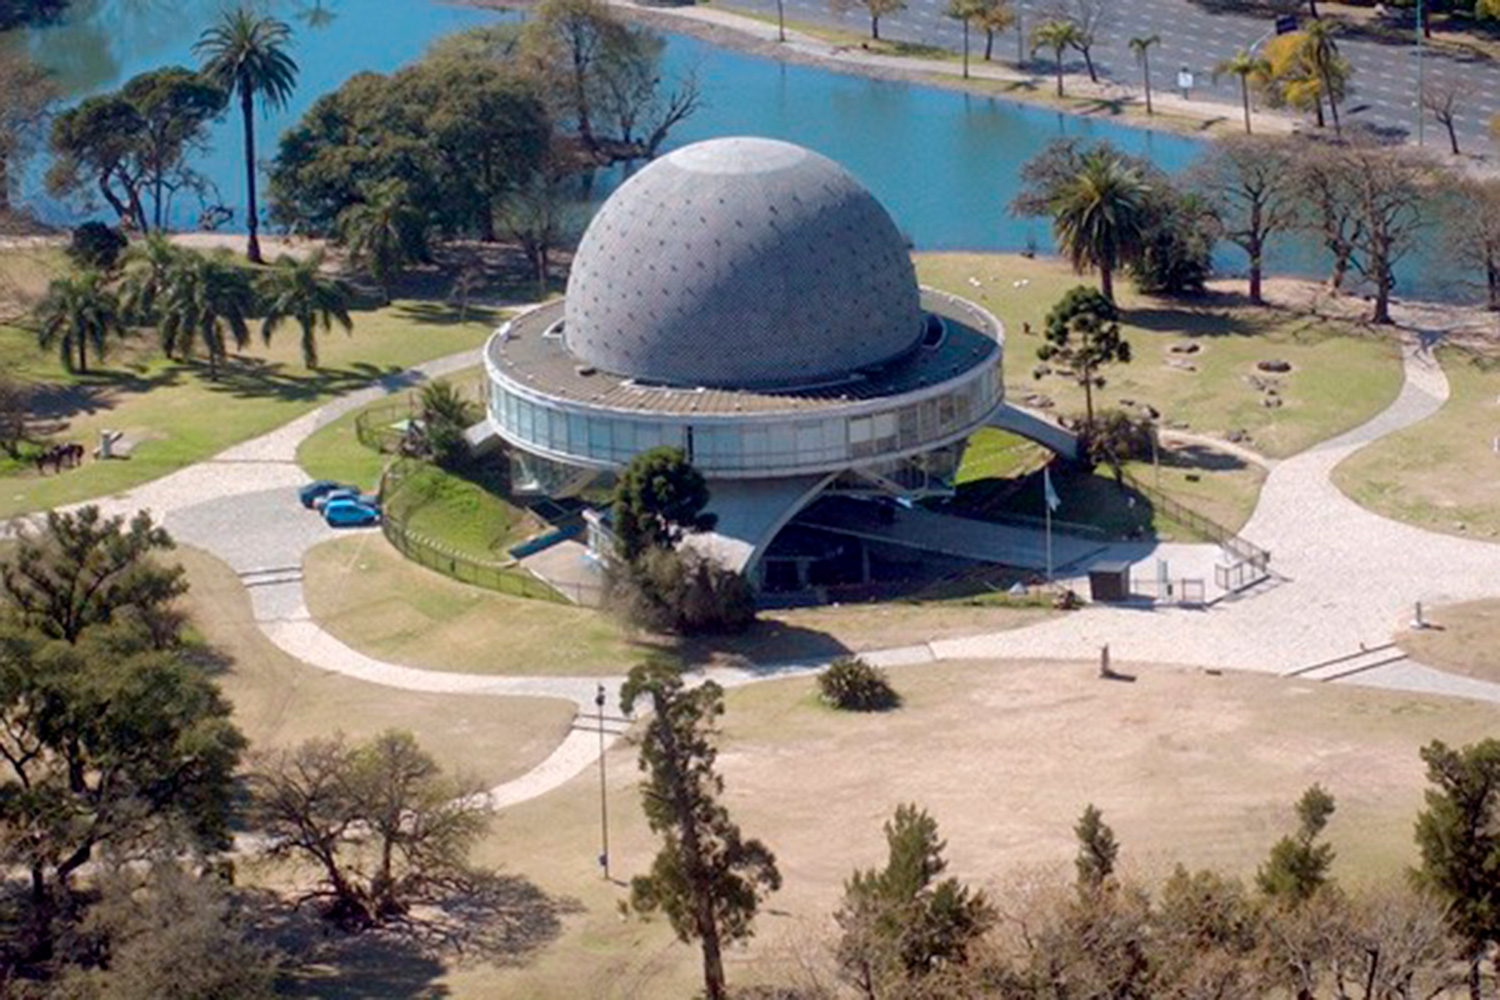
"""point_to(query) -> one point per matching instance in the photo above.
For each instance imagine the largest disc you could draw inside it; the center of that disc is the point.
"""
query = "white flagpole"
(1047, 503)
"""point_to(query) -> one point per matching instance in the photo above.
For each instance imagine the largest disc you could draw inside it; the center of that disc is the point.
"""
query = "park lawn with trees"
(1242, 748)
(280, 701)
(1341, 375)
(1439, 473)
(175, 415)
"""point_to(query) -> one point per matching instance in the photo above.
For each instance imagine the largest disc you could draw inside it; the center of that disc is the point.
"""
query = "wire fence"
(399, 501)
(383, 428)
(1242, 550)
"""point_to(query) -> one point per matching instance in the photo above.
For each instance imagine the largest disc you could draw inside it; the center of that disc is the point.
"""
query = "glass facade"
(749, 444)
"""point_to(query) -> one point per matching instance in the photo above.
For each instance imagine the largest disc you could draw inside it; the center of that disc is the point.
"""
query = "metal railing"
(1187, 591)
(377, 427)
(397, 504)
(1241, 549)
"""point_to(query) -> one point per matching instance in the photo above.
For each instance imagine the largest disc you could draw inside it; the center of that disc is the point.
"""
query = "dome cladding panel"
(741, 262)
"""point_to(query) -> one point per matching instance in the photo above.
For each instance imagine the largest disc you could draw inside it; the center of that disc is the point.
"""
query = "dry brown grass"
(1464, 639)
(1186, 766)
(280, 701)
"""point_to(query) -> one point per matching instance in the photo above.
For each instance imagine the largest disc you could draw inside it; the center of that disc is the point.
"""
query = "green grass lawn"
(1440, 473)
(1341, 374)
(334, 452)
(367, 594)
(177, 416)
(468, 512)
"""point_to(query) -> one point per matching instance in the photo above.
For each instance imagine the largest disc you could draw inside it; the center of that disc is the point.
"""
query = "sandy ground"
(1463, 638)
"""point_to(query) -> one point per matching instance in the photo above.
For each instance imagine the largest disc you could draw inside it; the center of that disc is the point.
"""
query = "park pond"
(945, 162)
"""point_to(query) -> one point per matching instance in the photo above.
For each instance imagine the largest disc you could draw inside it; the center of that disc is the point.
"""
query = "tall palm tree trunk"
(875, 27)
(1245, 99)
(252, 218)
(83, 352)
(1333, 104)
(780, 20)
(1146, 68)
(989, 51)
(966, 48)
(1059, 61)
(1107, 281)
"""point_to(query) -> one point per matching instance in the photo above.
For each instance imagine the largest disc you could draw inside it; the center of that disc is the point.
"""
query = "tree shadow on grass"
(431, 313)
(761, 647)
(493, 919)
(1199, 317)
(94, 392)
(255, 378)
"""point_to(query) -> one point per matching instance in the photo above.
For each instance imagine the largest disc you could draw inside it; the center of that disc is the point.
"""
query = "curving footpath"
(1346, 578)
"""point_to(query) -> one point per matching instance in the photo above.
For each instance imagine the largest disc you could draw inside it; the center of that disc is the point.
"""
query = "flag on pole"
(1048, 493)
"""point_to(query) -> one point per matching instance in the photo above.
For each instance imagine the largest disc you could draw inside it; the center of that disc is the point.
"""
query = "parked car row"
(342, 505)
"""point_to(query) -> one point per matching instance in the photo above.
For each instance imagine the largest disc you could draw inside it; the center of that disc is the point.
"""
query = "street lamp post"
(1421, 79)
(603, 789)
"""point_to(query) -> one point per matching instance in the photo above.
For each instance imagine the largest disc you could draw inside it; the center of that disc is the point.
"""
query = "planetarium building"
(747, 301)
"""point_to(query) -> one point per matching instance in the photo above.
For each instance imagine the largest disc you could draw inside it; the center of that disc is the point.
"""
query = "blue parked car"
(316, 490)
(346, 493)
(345, 513)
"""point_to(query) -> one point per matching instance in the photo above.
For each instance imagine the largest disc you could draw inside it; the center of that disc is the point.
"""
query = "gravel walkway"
(1345, 578)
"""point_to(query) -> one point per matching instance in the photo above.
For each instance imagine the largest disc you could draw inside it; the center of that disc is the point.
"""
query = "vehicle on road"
(346, 493)
(319, 489)
(345, 513)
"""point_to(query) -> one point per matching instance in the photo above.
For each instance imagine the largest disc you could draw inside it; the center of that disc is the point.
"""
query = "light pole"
(603, 789)
(1421, 80)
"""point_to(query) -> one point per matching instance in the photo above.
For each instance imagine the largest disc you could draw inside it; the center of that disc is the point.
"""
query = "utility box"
(1109, 581)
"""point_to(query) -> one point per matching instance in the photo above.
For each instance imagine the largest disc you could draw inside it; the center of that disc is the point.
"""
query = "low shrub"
(852, 684)
(681, 592)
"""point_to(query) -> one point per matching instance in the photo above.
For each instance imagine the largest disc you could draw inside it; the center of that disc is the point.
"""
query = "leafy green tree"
(1100, 215)
(1115, 437)
(96, 246)
(384, 235)
(1320, 52)
(77, 313)
(207, 303)
(1459, 840)
(1299, 864)
(15, 415)
(297, 290)
(382, 823)
(707, 879)
(93, 147)
(681, 592)
(444, 415)
(657, 499)
(1246, 66)
(105, 745)
(85, 571)
(851, 683)
(246, 56)
(175, 106)
(903, 922)
(1059, 35)
(1141, 46)
(1097, 851)
(1176, 251)
(1083, 335)
(539, 218)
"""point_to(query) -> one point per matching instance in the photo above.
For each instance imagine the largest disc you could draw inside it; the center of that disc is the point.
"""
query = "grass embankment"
(1340, 376)
(1440, 473)
(1005, 757)
(173, 414)
(279, 701)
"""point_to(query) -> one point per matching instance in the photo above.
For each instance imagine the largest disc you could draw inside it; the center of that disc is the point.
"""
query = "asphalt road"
(1384, 87)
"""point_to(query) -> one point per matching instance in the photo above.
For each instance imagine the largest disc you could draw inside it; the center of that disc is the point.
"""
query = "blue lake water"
(945, 163)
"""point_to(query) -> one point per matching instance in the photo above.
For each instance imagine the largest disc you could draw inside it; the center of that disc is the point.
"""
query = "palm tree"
(1244, 65)
(1321, 54)
(1142, 49)
(78, 311)
(383, 235)
(206, 297)
(964, 12)
(245, 55)
(297, 290)
(1099, 216)
(993, 16)
(147, 265)
(1059, 36)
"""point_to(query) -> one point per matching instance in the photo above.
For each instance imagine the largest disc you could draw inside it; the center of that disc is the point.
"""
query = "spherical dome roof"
(741, 262)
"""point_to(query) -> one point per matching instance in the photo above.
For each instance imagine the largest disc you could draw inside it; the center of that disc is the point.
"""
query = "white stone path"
(1345, 578)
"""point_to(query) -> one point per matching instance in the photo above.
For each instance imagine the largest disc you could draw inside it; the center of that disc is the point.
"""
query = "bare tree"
(1251, 188)
(1472, 217)
(1330, 206)
(875, 8)
(15, 413)
(26, 96)
(1444, 98)
(539, 218)
(1091, 18)
(1393, 192)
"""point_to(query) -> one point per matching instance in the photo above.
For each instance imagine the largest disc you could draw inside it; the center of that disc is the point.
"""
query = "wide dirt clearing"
(1185, 765)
